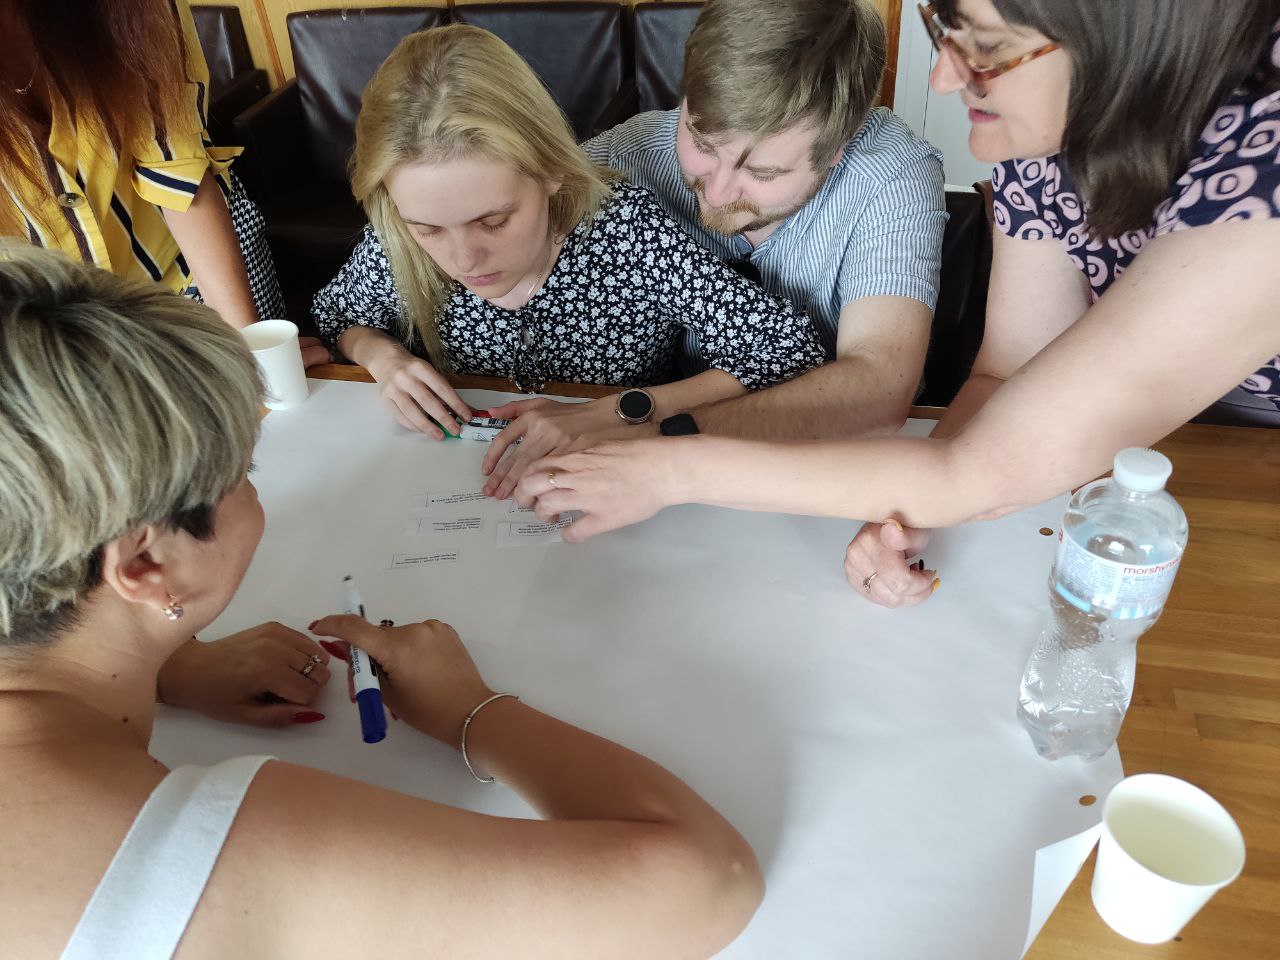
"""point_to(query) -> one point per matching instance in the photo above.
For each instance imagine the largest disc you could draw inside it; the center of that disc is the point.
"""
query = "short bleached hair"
(121, 405)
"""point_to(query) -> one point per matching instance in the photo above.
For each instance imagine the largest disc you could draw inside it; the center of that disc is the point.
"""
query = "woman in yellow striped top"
(103, 151)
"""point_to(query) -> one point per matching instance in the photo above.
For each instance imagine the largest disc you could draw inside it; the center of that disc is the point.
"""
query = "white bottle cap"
(1141, 470)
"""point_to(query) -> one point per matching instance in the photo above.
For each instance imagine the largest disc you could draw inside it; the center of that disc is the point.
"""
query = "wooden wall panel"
(261, 44)
(264, 21)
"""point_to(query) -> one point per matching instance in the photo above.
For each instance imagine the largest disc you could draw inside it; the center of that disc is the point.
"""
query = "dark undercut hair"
(1147, 76)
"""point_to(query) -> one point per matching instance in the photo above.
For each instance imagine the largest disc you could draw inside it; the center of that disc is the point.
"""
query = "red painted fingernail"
(308, 716)
(312, 624)
(335, 649)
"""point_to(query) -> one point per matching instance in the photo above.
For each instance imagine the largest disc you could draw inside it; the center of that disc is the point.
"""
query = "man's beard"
(722, 220)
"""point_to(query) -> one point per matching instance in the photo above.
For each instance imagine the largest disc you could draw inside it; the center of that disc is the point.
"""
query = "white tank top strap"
(145, 900)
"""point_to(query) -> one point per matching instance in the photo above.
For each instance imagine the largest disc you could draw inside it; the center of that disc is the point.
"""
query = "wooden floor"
(1206, 701)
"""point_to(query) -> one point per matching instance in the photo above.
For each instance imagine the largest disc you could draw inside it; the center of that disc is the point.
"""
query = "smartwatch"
(680, 425)
(635, 406)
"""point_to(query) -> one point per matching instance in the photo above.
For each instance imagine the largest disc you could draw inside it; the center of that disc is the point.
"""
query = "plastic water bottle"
(1122, 539)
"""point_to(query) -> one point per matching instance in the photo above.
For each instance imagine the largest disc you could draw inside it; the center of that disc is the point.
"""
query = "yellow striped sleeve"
(167, 170)
(173, 183)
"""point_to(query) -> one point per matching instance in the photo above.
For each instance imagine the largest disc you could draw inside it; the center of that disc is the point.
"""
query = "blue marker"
(364, 673)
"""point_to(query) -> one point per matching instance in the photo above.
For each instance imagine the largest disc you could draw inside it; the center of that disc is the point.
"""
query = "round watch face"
(635, 405)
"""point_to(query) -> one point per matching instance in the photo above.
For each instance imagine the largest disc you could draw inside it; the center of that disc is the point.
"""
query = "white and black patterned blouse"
(625, 286)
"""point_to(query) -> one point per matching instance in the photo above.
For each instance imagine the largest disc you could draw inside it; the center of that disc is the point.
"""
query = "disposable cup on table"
(274, 344)
(1166, 848)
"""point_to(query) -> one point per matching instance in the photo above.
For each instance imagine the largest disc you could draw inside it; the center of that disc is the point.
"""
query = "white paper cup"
(1166, 848)
(275, 346)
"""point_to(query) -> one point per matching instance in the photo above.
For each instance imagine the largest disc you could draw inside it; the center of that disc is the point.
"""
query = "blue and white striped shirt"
(873, 229)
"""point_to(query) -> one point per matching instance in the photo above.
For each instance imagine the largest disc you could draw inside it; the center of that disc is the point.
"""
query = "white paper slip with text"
(441, 526)
(512, 534)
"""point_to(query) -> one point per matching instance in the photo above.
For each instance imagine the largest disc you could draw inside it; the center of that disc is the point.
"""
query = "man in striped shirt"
(776, 162)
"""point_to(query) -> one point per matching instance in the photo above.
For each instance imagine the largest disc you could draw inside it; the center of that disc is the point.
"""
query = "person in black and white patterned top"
(496, 247)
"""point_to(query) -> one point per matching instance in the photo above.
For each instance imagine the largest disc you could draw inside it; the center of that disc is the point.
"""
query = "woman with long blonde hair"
(497, 247)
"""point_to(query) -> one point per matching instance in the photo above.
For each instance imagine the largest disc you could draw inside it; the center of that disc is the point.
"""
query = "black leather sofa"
(235, 84)
(602, 61)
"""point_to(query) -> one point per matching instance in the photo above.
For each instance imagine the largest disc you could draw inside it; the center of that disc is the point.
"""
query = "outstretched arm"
(1160, 346)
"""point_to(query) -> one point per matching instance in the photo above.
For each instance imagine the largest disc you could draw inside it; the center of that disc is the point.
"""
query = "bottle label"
(1128, 591)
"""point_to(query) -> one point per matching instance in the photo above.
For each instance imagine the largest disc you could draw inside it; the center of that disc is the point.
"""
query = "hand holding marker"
(364, 675)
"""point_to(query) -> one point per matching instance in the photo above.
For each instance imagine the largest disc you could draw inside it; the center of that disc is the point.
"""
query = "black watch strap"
(679, 425)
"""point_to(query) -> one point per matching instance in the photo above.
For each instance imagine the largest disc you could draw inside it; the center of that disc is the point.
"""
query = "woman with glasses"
(1134, 283)
(496, 247)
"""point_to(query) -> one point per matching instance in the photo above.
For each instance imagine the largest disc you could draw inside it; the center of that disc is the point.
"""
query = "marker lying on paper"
(364, 674)
(482, 428)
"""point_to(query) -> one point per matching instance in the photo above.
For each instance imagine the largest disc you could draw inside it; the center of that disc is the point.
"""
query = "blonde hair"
(121, 405)
(762, 68)
(449, 93)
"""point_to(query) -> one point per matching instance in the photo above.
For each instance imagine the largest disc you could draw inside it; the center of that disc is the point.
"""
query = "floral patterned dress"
(1235, 175)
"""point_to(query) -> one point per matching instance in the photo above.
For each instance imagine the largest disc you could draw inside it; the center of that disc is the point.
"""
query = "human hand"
(544, 427)
(428, 678)
(614, 484)
(313, 351)
(415, 391)
(878, 557)
(254, 676)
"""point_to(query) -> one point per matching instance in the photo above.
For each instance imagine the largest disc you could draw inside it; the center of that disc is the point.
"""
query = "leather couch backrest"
(660, 32)
(222, 38)
(960, 317)
(335, 54)
(576, 48)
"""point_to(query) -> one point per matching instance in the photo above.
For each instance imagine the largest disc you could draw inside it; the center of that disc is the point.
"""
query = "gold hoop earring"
(174, 609)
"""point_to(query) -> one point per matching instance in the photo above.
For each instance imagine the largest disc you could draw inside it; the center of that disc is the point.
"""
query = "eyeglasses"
(975, 77)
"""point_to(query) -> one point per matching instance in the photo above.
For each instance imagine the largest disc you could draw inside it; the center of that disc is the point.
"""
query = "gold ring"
(551, 479)
(866, 581)
(312, 662)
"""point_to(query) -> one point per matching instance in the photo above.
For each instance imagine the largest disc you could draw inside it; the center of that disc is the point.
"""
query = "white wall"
(943, 121)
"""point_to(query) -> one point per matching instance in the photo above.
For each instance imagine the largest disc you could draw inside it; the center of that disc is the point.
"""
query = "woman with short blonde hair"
(127, 420)
(496, 247)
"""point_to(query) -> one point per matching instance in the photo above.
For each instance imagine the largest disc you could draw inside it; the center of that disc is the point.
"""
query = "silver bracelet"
(467, 723)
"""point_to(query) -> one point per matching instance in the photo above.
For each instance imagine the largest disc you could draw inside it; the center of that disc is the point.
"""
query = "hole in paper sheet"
(1046, 531)
(1088, 800)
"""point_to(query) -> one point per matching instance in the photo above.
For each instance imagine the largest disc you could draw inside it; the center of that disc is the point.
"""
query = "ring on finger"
(866, 581)
(551, 479)
(313, 661)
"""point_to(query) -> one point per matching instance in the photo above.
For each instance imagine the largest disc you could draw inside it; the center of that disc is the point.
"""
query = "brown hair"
(1147, 76)
(119, 65)
(762, 68)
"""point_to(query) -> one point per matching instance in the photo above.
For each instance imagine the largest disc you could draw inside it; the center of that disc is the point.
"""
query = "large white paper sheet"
(870, 756)
(1055, 868)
